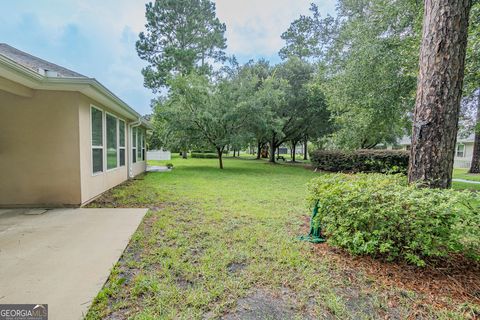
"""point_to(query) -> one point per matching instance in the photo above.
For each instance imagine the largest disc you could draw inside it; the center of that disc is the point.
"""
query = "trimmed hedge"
(384, 161)
(204, 155)
(381, 215)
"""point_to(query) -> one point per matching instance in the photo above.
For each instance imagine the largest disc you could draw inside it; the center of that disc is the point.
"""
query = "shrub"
(384, 161)
(204, 155)
(382, 216)
(169, 165)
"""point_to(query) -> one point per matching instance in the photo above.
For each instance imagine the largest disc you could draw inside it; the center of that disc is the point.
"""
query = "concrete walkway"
(466, 181)
(158, 169)
(61, 257)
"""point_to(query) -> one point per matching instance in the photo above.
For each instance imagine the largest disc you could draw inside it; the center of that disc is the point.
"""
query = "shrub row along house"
(64, 137)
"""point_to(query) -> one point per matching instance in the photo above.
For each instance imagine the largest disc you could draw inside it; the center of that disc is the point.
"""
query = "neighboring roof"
(35, 63)
(406, 140)
(32, 73)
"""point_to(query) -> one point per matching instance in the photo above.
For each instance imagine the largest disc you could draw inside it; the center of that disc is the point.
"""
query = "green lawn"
(463, 174)
(214, 239)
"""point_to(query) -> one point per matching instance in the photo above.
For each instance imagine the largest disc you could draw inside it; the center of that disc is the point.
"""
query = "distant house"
(64, 137)
(463, 150)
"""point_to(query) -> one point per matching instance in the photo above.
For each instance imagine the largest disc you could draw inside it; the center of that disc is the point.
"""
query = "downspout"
(130, 146)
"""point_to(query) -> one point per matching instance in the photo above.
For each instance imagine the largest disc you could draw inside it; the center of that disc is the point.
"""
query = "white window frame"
(463, 151)
(97, 147)
(105, 142)
(120, 122)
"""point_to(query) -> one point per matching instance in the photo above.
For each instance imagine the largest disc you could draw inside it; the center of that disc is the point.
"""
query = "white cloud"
(254, 27)
(97, 38)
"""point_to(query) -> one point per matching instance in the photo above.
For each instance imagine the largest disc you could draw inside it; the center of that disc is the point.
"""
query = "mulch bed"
(454, 277)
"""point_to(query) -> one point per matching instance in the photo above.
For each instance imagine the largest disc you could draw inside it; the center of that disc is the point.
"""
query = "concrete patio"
(61, 257)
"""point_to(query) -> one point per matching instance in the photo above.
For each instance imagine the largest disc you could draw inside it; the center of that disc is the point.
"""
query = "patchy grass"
(463, 174)
(458, 185)
(221, 243)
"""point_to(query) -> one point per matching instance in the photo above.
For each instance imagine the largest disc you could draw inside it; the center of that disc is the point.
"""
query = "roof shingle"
(35, 63)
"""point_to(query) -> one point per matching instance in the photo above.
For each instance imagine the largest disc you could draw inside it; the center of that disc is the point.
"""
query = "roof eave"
(88, 86)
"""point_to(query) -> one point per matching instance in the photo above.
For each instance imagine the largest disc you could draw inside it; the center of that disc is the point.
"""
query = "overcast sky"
(97, 38)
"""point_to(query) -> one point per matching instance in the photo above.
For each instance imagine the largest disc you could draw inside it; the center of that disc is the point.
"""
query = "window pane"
(96, 127)
(134, 155)
(134, 137)
(122, 157)
(97, 160)
(121, 133)
(139, 150)
(111, 142)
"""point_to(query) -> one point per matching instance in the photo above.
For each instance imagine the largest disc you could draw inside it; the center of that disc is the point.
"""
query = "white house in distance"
(64, 137)
(463, 150)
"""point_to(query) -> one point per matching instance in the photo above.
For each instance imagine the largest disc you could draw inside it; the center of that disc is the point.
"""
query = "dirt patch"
(262, 305)
(440, 283)
(235, 267)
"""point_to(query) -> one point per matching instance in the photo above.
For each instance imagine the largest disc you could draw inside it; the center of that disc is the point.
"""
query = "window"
(97, 140)
(121, 142)
(460, 150)
(139, 144)
(143, 145)
(134, 145)
(111, 141)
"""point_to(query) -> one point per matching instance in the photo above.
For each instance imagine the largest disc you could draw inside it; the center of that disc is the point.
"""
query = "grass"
(463, 174)
(214, 236)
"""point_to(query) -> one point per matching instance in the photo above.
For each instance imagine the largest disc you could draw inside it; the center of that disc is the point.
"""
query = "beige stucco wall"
(45, 149)
(39, 149)
(139, 167)
(94, 185)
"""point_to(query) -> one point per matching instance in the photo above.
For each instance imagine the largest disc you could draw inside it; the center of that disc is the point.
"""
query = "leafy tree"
(181, 36)
(472, 78)
(307, 36)
(288, 108)
(271, 100)
(258, 124)
(371, 71)
(199, 113)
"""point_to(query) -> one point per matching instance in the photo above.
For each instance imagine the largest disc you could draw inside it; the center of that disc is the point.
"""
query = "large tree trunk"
(439, 90)
(305, 149)
(272, 148)
(475, 166)
(259, 150)
(220, 159)
(184, 154)
(294, 147)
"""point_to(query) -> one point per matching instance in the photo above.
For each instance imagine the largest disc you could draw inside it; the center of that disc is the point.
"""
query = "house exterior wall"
(466, 160)
(92, 185)
(459, 162)
(39, 149)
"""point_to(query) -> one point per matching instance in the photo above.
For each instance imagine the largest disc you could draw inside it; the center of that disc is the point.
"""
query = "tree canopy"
(181, 36)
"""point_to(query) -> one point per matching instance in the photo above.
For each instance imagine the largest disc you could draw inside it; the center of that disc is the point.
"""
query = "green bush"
(384, 161)
(204, 155)
(382, 216)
